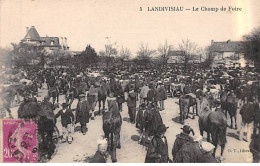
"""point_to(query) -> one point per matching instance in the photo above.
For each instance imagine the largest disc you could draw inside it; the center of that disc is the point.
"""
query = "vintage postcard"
(129, 81)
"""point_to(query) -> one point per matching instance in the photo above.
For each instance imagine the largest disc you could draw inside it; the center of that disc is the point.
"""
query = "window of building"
(52, 43)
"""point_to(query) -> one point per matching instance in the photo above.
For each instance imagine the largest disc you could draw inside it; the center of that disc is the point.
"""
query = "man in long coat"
(181, 139)
(82, 113)
(158, 148)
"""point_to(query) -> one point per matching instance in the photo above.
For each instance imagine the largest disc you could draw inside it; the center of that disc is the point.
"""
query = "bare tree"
(190, 50)
(124, 54)
(164, 51)
(109, 53)
(144, 54)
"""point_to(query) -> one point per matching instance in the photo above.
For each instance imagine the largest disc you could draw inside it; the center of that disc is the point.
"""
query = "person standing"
(247, 113)
(67, 121)
(120, 98)
(162, 95)
(181, 139)
(82, 113)
(158, 149)
(131, 103)
(143, 93)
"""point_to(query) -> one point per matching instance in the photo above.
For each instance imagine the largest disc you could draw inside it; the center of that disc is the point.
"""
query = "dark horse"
(215, 124)
(54, 94)
(112, 122)
(229, 105)
(185, 102)
(102, 96)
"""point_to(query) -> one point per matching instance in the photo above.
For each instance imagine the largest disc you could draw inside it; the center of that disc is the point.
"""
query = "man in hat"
(152, 95)
(190, 152)
(143, 93)
(247, 113)
(182, 139)
(131, 103)
(67, 120)
(92, 98)
(82, 113)
(101, 154)
(158, 149)
(162, 94)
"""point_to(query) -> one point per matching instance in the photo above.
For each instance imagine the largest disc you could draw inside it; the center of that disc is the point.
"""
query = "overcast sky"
(90, 21)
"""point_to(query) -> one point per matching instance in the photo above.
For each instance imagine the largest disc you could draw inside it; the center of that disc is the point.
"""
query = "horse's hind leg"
(231, 118)
(222, 149)
(235, 117)
(208, 136)
(104, 103)
(99, 106)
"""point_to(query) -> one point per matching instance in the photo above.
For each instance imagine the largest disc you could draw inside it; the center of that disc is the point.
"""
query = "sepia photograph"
(133, 81)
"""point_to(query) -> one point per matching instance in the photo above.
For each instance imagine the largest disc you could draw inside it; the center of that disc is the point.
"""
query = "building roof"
(32, 34)
(176, 53)
(227, 46)
(47, 41)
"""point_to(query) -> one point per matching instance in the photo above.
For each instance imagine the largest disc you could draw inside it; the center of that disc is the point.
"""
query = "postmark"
(19, 141)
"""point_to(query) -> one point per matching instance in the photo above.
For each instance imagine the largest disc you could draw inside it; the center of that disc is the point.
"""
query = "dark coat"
(157, 151)
(82, 112)
(162, 94)
(189, 153)
(66, 118)
(98, 158)
(142, 119)
(120, 98)
(154, 120)
(131, 100)
(181, 139)
(247, 112)
(152, 95)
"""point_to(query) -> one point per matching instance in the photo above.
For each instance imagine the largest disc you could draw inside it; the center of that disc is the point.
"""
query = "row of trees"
(22, 55)
(25, 54)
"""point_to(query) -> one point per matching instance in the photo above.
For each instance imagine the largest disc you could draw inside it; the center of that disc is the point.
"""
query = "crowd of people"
(144, 92)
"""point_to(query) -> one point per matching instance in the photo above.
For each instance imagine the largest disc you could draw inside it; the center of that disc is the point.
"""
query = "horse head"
(112, 105)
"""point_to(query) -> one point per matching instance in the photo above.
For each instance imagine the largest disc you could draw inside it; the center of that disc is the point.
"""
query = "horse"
(185, 102)
(54, 94)
(229, 105)
(102, 96)
(215, 124)
(112, 122)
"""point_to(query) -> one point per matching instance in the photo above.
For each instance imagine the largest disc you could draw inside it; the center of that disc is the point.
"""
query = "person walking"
(67, 121)
(82, 113)
(143, 93)
(131, 103)
(158, 149)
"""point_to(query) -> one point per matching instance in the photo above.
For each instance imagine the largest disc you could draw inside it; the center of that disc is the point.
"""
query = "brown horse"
(185, 102)
(229, 105)
(102, 96)
(215, 124)
(112, 122)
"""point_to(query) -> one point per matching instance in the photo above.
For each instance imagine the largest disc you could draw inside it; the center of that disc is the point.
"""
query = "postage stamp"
(19, 141)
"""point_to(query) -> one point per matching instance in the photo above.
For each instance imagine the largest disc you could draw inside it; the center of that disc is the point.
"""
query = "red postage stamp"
(19, 141)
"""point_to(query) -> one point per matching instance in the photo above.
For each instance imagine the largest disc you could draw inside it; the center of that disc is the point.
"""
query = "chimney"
(228, 41)
(212, 41)
(27, 30)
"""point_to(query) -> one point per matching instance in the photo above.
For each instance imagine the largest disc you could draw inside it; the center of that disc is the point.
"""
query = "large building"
(52, 43)
(228, 53)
